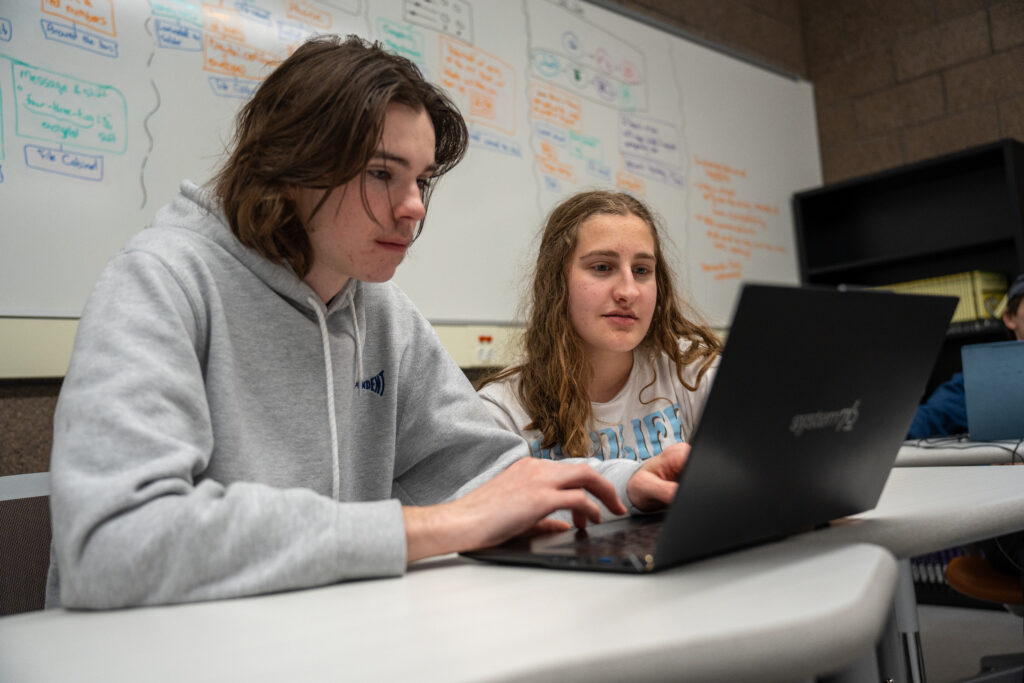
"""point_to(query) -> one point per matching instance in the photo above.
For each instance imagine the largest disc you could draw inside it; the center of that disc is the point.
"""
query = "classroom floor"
(953, 639)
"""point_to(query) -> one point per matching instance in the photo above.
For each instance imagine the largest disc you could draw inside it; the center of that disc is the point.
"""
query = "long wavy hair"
(315, 122)
(554, 377)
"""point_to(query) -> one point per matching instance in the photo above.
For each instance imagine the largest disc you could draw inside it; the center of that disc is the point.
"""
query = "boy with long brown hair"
(251, 406)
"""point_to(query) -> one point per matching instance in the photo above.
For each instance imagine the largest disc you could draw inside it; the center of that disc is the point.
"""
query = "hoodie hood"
(196, 209)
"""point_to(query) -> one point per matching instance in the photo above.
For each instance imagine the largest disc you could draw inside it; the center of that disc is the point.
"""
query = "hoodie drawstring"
(355, 325)
(332, 419)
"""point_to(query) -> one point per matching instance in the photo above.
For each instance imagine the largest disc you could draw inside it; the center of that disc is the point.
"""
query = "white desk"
(924, 509)
(949, 451)
(784, 611)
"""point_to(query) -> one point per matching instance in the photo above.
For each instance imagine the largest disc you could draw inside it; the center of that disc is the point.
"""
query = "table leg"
(905, 606)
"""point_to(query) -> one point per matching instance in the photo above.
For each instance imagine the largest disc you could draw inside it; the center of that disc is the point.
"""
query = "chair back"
(24, 542)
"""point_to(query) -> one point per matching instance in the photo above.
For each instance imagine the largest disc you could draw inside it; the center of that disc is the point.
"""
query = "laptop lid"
(994, 390)
(809, 407)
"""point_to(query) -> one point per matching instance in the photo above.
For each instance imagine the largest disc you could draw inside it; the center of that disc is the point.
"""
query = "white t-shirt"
(626, 426)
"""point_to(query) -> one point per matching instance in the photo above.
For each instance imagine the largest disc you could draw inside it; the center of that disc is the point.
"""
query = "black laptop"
(808, 410)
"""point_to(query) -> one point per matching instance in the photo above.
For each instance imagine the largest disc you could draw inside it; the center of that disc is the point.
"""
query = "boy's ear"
(1009, 321)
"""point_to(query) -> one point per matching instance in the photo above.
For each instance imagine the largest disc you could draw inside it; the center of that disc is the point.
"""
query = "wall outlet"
(475, 346)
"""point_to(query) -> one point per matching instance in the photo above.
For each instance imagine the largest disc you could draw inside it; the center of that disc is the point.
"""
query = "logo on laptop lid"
(841, 420)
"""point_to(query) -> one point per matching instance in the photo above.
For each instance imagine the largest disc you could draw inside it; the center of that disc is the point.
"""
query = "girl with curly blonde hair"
(614, 365)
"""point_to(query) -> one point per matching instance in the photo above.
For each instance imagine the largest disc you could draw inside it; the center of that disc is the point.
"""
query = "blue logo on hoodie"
(375, 384)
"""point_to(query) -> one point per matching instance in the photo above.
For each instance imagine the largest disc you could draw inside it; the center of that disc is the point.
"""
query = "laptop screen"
(994, 390)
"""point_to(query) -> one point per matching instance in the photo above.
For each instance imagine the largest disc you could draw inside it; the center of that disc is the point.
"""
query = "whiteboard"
(106, 105)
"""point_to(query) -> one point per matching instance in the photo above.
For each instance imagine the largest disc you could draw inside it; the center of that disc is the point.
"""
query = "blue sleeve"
(944, 413)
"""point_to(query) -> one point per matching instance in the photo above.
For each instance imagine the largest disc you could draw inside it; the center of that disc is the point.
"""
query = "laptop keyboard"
(640, 541)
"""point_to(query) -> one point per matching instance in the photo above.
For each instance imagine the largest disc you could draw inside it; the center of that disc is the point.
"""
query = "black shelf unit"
(955, 213)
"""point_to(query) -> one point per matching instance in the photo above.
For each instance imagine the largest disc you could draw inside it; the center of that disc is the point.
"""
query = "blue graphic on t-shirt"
(650, 432)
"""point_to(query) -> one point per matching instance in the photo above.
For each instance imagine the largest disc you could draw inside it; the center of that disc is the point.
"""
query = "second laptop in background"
(994, 390)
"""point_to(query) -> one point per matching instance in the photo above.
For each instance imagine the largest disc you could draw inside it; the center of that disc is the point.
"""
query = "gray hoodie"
(221, 432)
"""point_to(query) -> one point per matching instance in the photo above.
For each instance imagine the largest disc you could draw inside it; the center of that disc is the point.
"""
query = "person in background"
(615, 366)
(252, 407)
(944, 413)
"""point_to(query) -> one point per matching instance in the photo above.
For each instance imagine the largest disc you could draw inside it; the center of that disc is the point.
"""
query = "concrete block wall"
(898, 81)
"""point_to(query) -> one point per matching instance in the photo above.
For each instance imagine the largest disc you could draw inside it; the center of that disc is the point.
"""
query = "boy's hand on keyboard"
(514, 502)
